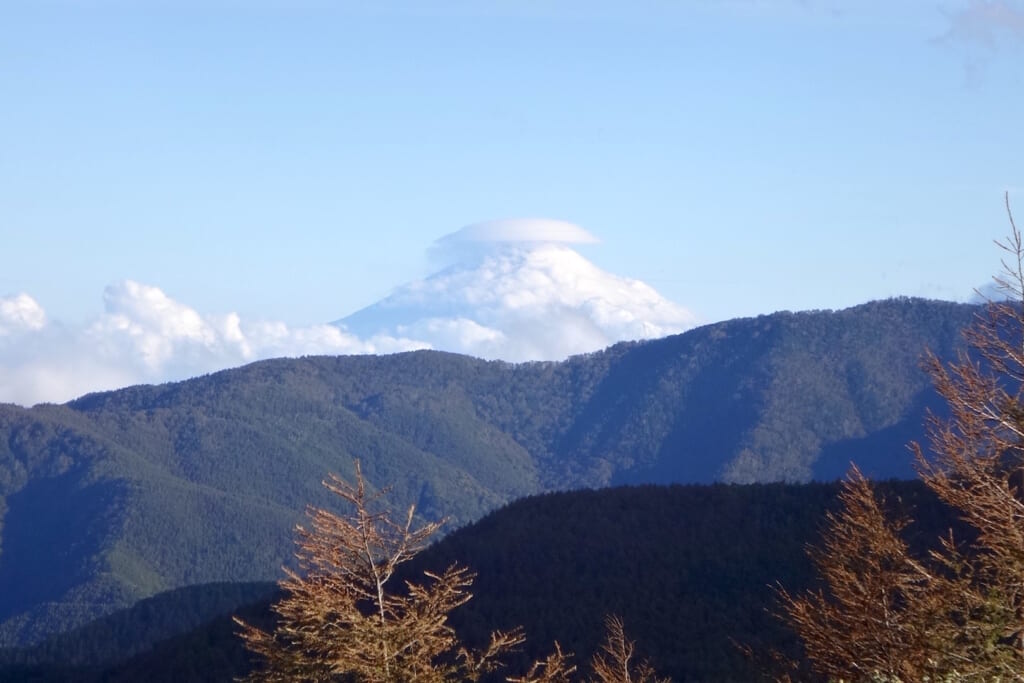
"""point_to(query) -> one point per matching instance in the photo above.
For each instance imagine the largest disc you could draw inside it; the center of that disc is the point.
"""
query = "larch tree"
(616, 661)
(341, 618)
(876, 615)
(956, 614)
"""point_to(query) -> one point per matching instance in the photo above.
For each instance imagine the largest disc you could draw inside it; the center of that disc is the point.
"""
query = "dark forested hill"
(118, 496)
(690, 569)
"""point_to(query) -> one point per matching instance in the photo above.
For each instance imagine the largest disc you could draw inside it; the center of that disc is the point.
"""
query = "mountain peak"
(522, 300)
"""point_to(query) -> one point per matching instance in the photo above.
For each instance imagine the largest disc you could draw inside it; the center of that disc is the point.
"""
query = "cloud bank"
(513, 290)
(145, 336)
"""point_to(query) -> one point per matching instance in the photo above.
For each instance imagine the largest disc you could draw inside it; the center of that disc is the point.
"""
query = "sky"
(239, 173)
(517, 290)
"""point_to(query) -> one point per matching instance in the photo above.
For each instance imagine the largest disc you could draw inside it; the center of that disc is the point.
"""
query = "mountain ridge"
(201, 481)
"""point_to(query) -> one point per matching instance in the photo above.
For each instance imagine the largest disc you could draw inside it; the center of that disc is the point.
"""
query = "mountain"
(521, 302)
(118, 496)
(690, 569)
(139, 628)
(511, 289)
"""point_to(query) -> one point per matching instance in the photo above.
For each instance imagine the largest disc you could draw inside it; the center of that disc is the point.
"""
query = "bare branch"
(613, 663)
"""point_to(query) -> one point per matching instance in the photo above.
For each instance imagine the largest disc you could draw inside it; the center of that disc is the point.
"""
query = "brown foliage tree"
(875, 617)
(557, 667)
(341, 620)
(614, 662)
(957, 614)
(340, 617)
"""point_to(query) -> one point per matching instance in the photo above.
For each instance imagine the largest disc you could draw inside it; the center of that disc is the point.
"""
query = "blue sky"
(294, 161)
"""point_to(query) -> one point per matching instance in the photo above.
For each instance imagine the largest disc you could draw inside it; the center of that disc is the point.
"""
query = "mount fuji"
(515, 290)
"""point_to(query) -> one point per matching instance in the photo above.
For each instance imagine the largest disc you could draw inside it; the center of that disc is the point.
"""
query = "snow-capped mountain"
(512, 295)
(512, 289)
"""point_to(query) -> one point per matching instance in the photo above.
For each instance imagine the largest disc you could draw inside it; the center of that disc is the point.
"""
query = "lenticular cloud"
(474, 242)
(537, 230)
(514, 290)
(520, 293)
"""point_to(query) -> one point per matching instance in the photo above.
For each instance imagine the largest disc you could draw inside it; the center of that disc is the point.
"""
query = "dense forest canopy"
(690, 569)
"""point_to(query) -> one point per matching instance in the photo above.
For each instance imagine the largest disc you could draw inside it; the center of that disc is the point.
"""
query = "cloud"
(475, 241)
(20, 313)
(145, 336)
(993, 291)
(980, 30)
(520, 300)
(986, 22)
(535, 230)
(517, 292)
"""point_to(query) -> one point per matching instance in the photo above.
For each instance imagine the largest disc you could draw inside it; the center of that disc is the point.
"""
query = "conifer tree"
(958, 613)
(875, 616)
(615, 661)
(341, 617)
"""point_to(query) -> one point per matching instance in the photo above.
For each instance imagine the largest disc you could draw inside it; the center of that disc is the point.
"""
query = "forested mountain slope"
(120, 495)
(690, 569)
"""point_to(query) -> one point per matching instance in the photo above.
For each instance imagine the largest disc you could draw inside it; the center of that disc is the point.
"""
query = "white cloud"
(473, 242)
(521, 301)
(519, 293)
(145, 336)
(456, 334)
(20, 313)
(522, 230)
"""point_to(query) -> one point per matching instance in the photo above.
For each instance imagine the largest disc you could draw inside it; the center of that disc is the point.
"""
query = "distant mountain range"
(121, 495)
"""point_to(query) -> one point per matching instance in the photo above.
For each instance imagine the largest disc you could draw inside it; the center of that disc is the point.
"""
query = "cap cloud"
(517, 291)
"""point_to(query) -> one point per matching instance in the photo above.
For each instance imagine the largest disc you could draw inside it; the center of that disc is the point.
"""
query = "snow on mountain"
(511, 289)
(517, 292)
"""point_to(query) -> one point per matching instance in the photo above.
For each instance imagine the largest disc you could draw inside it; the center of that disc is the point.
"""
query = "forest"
(690, 569)
(183, 497)
(119, 496)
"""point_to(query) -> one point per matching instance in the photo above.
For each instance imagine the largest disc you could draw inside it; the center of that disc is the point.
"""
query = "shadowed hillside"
(689, 568)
